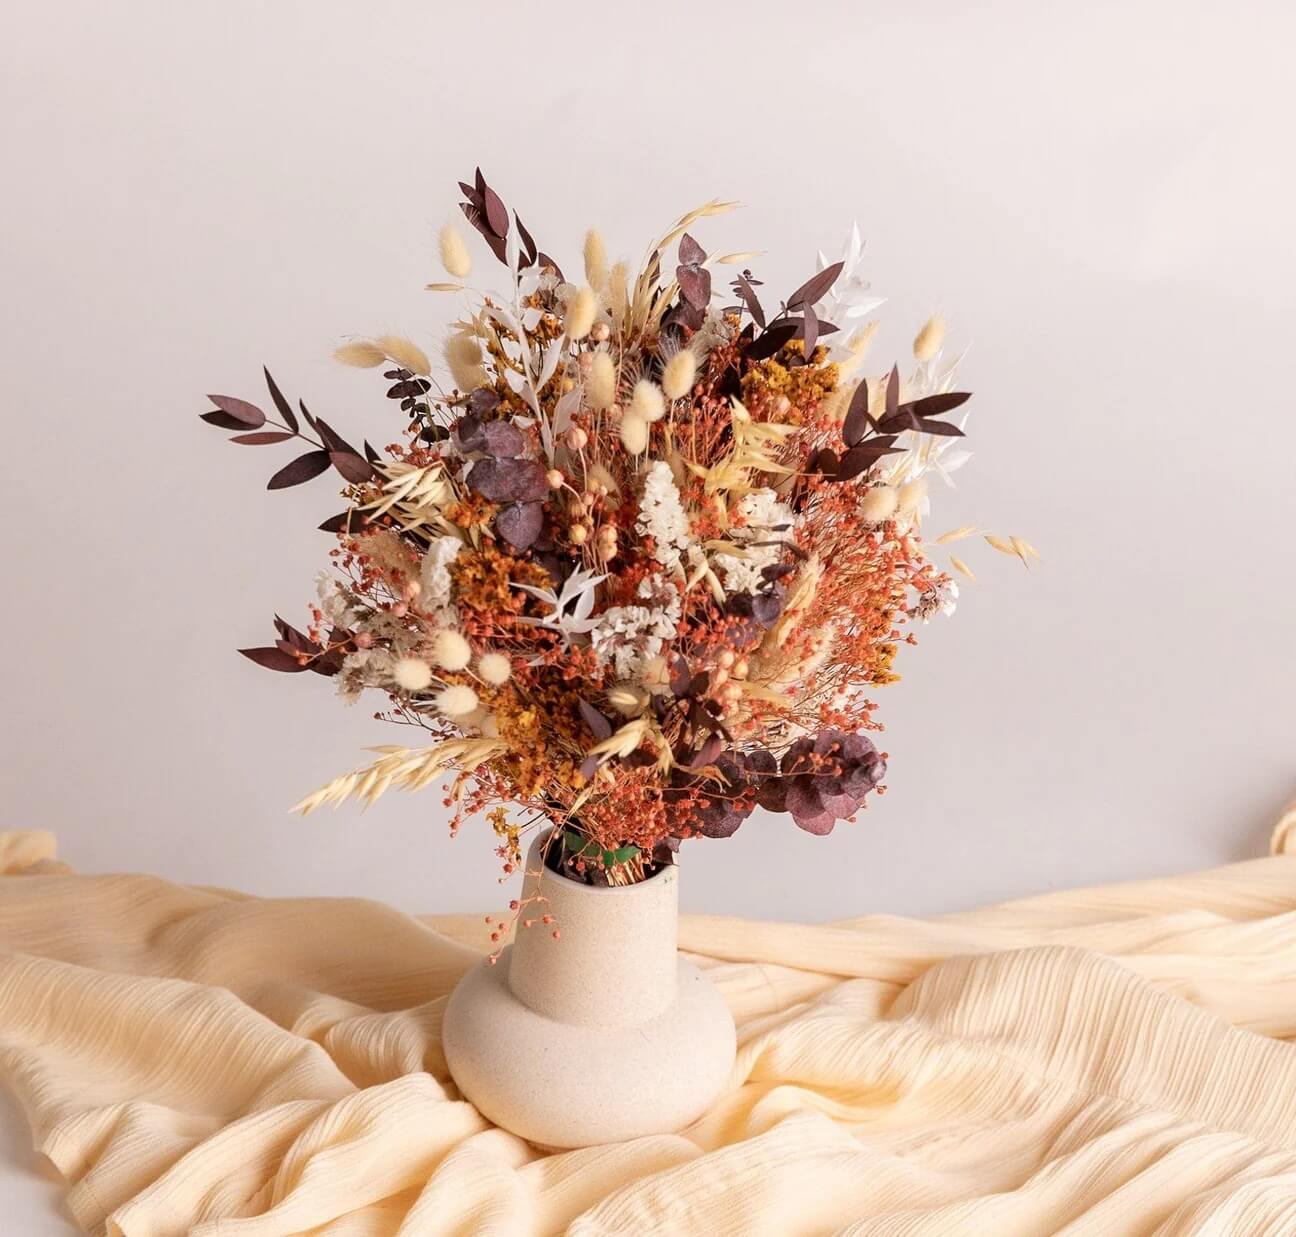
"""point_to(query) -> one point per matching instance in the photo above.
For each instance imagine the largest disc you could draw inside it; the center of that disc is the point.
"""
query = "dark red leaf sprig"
(295, 651)
(796, 320)
(485, 210)
(330, 449)
(867, 438)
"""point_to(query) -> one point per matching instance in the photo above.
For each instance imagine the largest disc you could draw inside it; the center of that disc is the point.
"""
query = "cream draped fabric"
(1104, 1061)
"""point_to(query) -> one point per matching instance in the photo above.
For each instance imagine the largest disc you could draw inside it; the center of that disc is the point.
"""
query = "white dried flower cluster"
(940, 598)
(361, 669)
(629, 636)
(662, 516)
(336, 603)
(768, 520)
(434, 575)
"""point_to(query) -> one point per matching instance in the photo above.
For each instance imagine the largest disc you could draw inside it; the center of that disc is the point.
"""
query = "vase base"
(560, 1085)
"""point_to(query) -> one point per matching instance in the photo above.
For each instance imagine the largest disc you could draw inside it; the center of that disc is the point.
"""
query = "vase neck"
(614, 960)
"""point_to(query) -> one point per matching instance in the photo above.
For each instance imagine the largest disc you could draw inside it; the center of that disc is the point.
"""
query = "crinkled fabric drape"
(1104, 1061)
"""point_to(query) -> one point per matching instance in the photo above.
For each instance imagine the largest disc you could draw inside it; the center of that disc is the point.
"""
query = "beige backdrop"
(1099, 197)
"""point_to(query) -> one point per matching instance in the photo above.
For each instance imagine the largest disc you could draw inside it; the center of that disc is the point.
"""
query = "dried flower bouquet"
(639, 565)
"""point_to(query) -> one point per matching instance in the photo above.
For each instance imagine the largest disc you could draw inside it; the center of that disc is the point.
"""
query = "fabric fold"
(1097, 1061)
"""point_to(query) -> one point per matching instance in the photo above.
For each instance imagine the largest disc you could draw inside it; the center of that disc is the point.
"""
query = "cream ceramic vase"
(600, 1035)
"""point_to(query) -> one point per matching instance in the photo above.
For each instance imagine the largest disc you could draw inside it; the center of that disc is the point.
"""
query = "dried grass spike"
(454, 252)
(362, 355)
(927, 343)
(596, 267)
(601, 383)
(581, 310)
(405, 353)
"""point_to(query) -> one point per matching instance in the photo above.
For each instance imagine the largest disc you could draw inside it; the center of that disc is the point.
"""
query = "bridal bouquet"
(638, 560)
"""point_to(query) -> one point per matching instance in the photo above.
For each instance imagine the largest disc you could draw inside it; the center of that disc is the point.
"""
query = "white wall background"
(1098, 196)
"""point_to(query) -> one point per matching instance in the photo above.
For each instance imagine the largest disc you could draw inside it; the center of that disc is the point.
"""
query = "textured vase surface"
(600, 1035)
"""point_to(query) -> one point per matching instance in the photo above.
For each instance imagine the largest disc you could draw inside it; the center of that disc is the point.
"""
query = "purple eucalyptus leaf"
(690, 252)
(695, 284)
(262, 438)
(520, 524)
(355, 468)
(814, 288)
(284, 407)
(857, 416)
(766, 607)
(302, 469)
(503, 439)
(274, 659)
(496, 212)
(599, 725)
(249, 416)
(707, 754)
(509, 480)
(483, 400)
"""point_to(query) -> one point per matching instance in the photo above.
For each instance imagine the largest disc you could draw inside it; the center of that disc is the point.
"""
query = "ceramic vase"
(599, 1035)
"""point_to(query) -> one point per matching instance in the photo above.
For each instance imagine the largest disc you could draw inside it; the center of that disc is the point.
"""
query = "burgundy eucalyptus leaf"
(690, 252)
(355, 468)
(520, 524)
(262, 438)
(502, 439)
(706, 754)
(941, 429)
(292, 640)
(328, 665)
(528, 243)
(303, 468)
(938, 405)
(893, 390)
(769, 341)
(332, 439)
(274, 659)
(411, 388)
(284, 407)
(546, 261)
(695, 285)
(370, 453)
(477, 217)
(858, 459)
(821, 824)
(483, 400)
(350, 521)
(589, 767)
(222, 420)
(857, 421)
(810, 329)
(898, 421)
(468, 434)
(718, 819)
(766, 608)
(249, 416)
(777, 571)
(744, 288)
(698, 684)
(496, 212)
(814, 288)
(598, 724)
(825, 461)
(509, 480)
